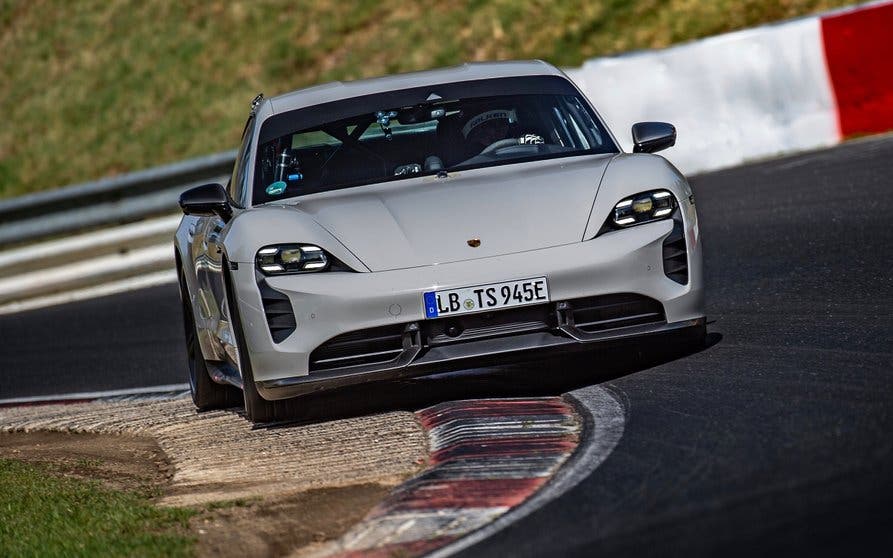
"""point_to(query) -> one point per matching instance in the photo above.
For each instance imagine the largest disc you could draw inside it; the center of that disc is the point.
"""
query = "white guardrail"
(797, 85)
(131, 256)
(97, 238)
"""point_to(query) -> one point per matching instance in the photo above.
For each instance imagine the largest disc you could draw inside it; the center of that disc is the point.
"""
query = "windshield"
(393, 143)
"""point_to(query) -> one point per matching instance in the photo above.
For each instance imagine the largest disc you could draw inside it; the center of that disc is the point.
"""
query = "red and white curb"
(487, 457)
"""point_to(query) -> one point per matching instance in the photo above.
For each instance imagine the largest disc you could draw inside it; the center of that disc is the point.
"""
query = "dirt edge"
(254, 525)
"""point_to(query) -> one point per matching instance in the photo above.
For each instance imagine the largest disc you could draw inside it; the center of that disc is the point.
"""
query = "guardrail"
(96, 238)
(127, 198)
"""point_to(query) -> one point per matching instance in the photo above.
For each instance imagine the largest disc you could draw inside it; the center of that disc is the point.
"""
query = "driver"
(491, 126)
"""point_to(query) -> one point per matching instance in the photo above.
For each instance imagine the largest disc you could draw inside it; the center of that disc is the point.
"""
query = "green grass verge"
(43, 514)
(94, 88)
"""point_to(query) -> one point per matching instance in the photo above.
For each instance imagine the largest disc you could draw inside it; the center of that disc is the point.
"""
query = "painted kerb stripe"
(488, 456)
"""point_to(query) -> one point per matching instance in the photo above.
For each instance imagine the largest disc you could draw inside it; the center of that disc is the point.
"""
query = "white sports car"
(424, 222)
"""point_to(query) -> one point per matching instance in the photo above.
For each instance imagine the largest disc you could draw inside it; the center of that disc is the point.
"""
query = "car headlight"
(291, 258)
(643, 208)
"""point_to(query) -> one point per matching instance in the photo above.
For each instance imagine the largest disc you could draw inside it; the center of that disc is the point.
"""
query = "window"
(238, 182)
(363, 141)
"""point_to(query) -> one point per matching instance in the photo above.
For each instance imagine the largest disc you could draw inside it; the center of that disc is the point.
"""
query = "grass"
(44, 514)
(99, 87)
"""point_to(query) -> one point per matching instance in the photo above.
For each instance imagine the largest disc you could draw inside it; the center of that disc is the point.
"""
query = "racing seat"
(451, 143)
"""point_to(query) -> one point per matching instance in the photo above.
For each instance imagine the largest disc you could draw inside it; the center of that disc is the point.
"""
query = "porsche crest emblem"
(474, 242)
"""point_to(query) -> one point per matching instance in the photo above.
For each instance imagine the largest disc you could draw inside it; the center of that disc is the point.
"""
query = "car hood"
(430, 220)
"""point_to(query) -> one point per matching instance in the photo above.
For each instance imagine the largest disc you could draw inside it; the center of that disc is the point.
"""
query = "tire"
(257, 409)
(206, 393)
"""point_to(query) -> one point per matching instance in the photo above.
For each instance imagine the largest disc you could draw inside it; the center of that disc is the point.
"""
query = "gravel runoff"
(218, 456)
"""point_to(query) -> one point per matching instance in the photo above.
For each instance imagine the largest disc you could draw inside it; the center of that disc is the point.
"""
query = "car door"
(212, 283)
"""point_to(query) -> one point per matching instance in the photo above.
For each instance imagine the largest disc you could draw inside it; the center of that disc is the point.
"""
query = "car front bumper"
(327, 305)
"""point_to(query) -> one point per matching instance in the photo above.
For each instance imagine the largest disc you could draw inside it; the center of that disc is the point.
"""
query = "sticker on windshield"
(276, 188)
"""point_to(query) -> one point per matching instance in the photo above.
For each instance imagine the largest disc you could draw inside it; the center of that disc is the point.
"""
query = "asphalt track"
(778, 438)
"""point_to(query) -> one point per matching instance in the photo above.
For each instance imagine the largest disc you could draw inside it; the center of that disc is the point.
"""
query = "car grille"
(366, 346)
(472, 327)
(278, 311)
(675, 255)
(385, 344)
(614, 311)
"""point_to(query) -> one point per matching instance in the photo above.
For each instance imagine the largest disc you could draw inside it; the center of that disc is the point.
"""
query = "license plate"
(482, 298)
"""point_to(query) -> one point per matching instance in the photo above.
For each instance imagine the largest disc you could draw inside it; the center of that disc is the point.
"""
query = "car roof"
(338, 90)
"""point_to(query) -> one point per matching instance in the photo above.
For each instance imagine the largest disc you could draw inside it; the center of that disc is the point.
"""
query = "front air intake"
(375, 345)
(676, 255)
(598, 314)
(278, 311)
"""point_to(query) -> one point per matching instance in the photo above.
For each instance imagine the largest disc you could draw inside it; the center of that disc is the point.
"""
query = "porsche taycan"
(411, 224)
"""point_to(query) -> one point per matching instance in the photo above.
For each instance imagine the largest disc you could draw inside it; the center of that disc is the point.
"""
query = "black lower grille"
(386, 344)
(482, 325)
(606, 312)
(366, 346)
(278, 311)
(676, 255)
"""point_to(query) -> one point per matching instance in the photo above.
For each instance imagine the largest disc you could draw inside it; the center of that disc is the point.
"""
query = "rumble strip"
(487, 456)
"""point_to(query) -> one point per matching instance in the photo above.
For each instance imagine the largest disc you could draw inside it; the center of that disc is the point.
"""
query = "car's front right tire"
(206, 393)
(257, 409)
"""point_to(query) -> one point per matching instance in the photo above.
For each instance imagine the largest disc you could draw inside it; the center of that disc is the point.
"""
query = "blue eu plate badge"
(430, 305)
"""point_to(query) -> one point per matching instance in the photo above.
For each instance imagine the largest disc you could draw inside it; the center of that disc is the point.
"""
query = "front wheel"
(257, 409)
(206, 394)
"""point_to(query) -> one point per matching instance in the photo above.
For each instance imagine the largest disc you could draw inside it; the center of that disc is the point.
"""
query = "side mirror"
(649, 137)
(206, 200)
